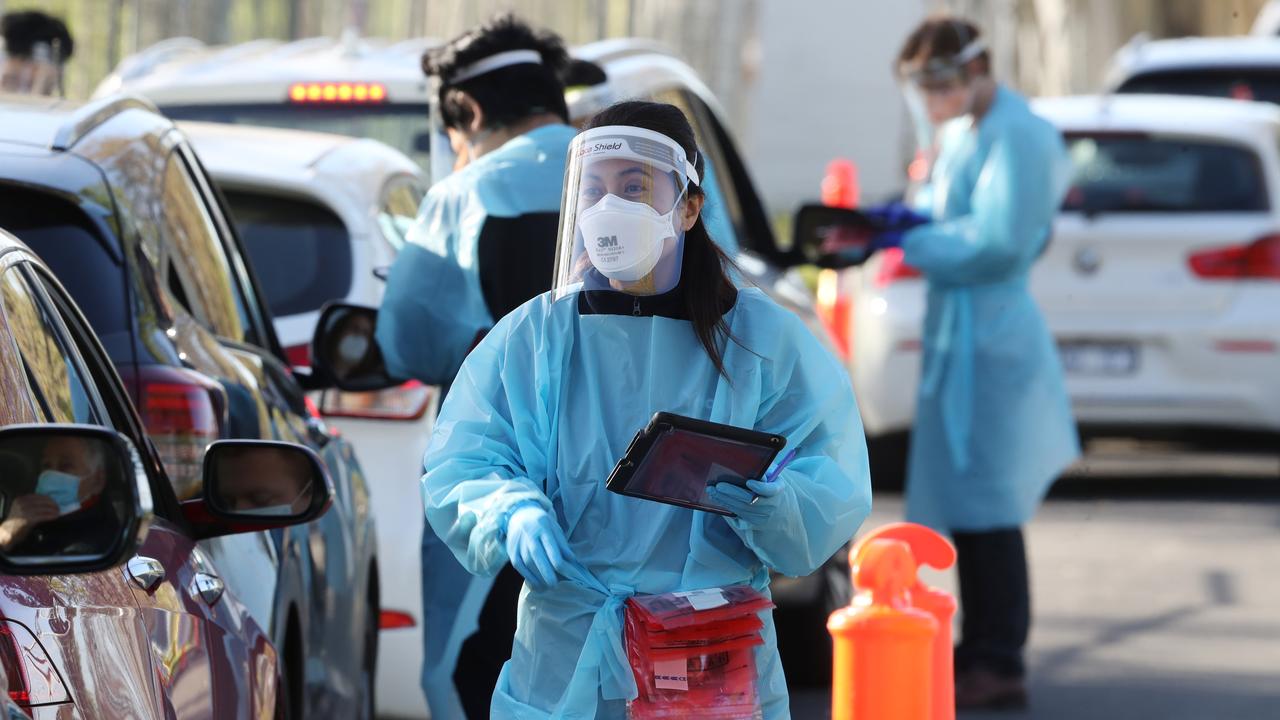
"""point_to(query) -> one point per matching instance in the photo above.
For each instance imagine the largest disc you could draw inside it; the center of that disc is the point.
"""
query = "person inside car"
(67, 507)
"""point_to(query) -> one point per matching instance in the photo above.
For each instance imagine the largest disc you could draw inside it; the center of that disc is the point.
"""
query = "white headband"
(636, 148)
(495, 62)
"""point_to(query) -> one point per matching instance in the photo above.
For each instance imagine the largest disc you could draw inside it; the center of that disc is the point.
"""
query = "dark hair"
(708, 291)
(22, 31)
(506, 95)
(938, 38)
(584, 73)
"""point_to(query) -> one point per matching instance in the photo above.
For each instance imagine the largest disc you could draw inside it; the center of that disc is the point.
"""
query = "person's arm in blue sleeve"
(824, 494)
(1013, 203)
(482, 462)
(418, 333)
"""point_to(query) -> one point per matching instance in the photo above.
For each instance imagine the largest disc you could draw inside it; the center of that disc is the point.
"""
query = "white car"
(1241, 68)
(1161, 282)
(320, 216)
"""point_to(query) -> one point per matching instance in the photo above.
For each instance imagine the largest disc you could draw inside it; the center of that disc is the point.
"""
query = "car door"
(80, 639)
(337, 555)
(210, 658)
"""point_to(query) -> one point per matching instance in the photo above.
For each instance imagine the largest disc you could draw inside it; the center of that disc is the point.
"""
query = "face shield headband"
(943, 71)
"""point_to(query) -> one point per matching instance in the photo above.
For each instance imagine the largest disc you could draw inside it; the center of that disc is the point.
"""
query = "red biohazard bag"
(693, 653)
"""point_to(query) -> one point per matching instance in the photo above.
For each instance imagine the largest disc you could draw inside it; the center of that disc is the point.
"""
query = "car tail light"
(395, 620)
(183, 412)
(33, 679)
(407, 402)
(833, 310)
(1259, 260)
(892, 268)
(298, 355)
(319, 93)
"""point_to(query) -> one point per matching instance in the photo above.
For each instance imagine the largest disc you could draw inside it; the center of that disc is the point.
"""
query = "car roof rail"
(92, 114)
(142, 63)
(617, 49)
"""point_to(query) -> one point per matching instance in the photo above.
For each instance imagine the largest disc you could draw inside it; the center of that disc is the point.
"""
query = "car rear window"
(86, 263)
(1239, 83)
(403, 126)
(300, 250)
(1138, 173)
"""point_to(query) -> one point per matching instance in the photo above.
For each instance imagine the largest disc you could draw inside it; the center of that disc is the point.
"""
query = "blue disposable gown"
(993, 421)
(542, 410)
(431, 313)
(434, 306)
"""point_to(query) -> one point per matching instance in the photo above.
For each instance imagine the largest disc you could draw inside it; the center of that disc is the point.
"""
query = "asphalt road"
(1156, 588)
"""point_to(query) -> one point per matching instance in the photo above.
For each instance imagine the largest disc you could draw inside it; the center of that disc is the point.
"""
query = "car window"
(53, 371)
(399, 209)
(1136, 173)
(300, 250)
(403, 126)
(1262, 84)
(197, 267)
(76, 250)
(16, 404)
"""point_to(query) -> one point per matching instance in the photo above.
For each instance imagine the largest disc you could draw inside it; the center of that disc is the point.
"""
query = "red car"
(81, 488)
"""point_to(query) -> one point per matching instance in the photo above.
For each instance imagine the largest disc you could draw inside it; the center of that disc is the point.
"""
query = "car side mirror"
(344, 349)
(252, 485)
(832, 237)
(73, 499)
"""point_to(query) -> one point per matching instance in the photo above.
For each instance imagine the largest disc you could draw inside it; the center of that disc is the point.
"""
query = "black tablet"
(674, 458)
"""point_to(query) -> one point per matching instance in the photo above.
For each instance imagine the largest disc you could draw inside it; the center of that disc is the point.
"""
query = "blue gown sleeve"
(1012, 207)
(486, 454)
(419, 332)
(827, 486)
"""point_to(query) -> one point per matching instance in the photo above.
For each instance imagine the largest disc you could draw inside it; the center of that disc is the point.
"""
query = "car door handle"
(145, 572)
(208, 587)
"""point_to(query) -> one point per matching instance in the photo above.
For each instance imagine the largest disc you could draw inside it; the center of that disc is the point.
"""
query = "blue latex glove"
(754, 504)
(536, 546)
(896, 217)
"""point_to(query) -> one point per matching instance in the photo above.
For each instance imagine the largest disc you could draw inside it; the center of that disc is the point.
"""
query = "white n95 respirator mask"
(624, 239)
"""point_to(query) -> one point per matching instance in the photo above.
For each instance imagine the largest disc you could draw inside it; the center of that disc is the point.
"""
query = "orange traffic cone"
(883, 646)
(932, 549)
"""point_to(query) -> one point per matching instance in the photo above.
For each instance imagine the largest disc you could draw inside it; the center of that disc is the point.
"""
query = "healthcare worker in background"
(993, 422)
(36, 47)
(484, 243)
(643, 318)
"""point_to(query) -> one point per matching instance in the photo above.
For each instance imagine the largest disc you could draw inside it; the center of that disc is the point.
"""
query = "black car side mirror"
(832, 237)
(344, 350)
(252, 485)
(73, 499)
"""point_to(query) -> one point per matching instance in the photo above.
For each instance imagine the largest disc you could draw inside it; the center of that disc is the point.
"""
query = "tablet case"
(674, 458)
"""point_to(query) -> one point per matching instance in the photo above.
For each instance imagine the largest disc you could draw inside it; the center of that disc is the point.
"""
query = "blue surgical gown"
(993, 420)
(542, 410)
(432, 311)
(434, 305)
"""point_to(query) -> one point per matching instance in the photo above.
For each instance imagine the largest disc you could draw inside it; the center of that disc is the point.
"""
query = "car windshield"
(402, 126)
(1137, 173)
(1237, 83)
(300, 250)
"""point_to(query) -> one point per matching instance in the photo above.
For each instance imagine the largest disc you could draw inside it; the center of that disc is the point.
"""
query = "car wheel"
(803, 639)
(368, 669)
(887, 457)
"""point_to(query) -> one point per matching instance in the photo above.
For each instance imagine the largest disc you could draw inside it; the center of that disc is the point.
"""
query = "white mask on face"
(623, 238)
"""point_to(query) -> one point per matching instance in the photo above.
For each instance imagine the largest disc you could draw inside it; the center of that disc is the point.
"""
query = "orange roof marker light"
(330, 93)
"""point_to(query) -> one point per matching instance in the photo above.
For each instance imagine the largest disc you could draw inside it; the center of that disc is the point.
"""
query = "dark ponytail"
(709, 293)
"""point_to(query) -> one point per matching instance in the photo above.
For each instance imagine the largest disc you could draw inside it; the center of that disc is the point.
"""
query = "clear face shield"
(39, 74)
(939, 90)
(622, 218)
(444, 156)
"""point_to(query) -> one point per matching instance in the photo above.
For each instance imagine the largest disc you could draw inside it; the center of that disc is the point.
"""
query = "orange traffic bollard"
(883, 646)
(932, 549)
(840, 184)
